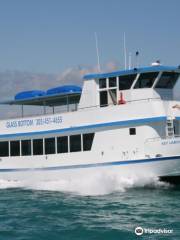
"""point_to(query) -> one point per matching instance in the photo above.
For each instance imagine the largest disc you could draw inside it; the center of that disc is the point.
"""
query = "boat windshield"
(167, 80)
(126, 81)
(146, 80)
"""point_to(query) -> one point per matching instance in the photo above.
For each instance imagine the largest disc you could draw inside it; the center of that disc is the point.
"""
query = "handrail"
(112, 104)
(83, 108)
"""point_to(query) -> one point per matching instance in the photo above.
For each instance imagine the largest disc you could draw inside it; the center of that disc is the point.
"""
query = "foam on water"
(95, 184)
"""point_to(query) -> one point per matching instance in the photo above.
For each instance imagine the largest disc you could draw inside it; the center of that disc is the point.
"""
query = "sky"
(50, 36)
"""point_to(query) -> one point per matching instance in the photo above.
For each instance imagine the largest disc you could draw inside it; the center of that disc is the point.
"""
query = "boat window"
(112, 96)
(103, 98)
(87, 141)
(176, 124)
(15, 148)
(38, 147)
(132, 131)
(125, 82)
(146, 80)
(75, 143)
(4, 149)
(112, 82)
(102, 83)
(49, 145)
(26, 147)
(167, 80)
(62, 144)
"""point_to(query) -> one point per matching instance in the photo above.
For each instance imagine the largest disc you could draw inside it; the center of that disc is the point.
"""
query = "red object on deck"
(121, 100)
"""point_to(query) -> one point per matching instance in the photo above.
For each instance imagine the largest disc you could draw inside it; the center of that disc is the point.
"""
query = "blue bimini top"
(29, 94)
(64, 90)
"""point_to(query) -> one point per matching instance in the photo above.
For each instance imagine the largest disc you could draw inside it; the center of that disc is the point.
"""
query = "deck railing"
(76, 108)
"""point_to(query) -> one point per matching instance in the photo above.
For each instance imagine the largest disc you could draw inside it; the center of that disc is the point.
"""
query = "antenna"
(137, 59)
(129, 60)
(125, 66)
(97, 52)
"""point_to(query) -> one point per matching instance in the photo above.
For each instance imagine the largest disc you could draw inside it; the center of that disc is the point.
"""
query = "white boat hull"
(157, 167)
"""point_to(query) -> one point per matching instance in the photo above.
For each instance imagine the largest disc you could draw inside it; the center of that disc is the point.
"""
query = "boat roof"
(51, 98)
(157, 68)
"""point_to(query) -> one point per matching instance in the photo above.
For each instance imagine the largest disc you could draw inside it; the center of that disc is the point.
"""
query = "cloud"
(112, 66)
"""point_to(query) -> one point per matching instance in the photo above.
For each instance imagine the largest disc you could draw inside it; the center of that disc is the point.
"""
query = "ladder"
(169, 128)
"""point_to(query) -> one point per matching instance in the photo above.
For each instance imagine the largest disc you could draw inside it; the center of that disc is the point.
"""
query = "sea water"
(95, 208)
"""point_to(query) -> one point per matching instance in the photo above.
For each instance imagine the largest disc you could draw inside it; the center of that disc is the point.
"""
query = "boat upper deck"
(105, 89)
(53, 97)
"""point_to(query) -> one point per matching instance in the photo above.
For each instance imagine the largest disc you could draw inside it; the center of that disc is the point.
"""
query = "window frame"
(106, 85)
(111, 78)
(39, 154)
(132, 131)
(8, 150)
(132, 84)
(83, 141)
(100, 92)
(11, 147)
(144, 73)
(21, 146)
(76, 149)
(159, 78)
(57, 149)
(46, 139)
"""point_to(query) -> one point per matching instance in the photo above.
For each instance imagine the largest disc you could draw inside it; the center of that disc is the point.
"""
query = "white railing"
(77, 109)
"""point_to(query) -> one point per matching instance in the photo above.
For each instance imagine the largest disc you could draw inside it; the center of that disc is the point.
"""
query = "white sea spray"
(94, 184)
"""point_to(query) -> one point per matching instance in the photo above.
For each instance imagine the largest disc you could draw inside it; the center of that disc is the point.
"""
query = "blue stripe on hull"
(87, 127)
(92, 165)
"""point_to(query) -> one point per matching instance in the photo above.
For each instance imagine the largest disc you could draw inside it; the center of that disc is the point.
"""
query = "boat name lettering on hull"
(170, 142)
(34, 122)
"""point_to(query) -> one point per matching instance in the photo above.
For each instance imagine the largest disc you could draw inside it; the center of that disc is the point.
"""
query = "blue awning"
(59, 96)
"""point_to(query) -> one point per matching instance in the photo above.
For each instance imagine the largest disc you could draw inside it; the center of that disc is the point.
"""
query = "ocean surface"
(99, 209)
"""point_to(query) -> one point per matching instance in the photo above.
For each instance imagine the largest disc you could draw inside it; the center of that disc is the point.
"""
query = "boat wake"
(96, 184)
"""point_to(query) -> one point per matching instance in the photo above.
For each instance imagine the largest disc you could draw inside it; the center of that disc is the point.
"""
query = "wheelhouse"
(159, 80)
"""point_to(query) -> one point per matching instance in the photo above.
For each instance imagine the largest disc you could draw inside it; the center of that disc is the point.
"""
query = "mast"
(125, 61)
(97, 52)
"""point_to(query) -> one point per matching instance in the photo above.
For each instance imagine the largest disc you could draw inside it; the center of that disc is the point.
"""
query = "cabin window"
(26, 147)
(75, 143)
(167, 80)
(102, 83)
(4, 149)
(38, 147)
(87, 141)
(112, 82)
(15, 148)
(146, 80)
(125, 82)
(132, 131)
(112, 96)
(176, 124)
(49, 145)
(103, 98)
(62, 144)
